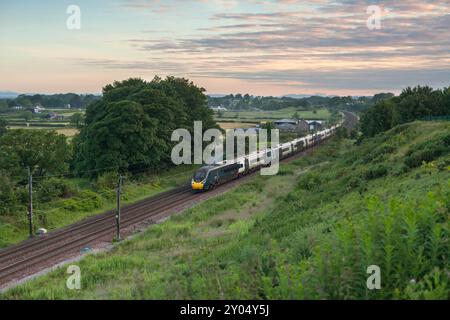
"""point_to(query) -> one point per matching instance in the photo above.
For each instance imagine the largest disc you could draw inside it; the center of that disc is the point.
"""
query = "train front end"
(199, 179)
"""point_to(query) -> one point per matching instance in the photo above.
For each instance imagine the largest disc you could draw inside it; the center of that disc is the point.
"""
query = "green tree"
(3, 128)
(4, 106)
(130, 128)
(378, 118)
(7, 195)
(412, 104)
(45, 152)
(77, 119)
(26, 115)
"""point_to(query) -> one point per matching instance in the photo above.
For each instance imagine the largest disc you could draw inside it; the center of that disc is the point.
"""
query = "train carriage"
(208, 177)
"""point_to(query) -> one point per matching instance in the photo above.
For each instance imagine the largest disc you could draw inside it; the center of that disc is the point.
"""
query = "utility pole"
(119, 191)
(30, 202)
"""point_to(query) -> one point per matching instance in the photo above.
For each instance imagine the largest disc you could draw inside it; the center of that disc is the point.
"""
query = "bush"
(310, 181)
(108, 180)
(52, 189)
(87, 200)
(427, 151)
(375, 172)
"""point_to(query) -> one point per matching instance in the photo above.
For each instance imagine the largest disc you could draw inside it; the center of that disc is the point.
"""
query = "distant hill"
(8, 95)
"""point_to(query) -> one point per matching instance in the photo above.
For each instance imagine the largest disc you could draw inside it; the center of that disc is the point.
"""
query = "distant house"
(18, 108)
(219, 108)
(315, 125)
(37, 109)
(54, 116)
(303, 125)
(292, 125)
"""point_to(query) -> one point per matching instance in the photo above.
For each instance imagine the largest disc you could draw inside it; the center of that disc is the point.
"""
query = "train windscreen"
(200, 175)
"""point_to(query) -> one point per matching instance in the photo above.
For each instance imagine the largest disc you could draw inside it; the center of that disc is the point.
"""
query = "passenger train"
(209, 177)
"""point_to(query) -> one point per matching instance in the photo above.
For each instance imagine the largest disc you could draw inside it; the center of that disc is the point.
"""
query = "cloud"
(306, 44)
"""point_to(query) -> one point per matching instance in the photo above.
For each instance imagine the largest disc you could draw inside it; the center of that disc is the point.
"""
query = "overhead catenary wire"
(110, 192)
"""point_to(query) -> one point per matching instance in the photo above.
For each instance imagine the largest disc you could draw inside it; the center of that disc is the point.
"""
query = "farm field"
(308, 233)
(235, 125)
(319, 114)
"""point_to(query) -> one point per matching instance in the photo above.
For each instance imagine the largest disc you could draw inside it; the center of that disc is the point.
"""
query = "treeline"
(248, 102)
(241, 102)
(128, 131)
(53, 101)
(412, 104)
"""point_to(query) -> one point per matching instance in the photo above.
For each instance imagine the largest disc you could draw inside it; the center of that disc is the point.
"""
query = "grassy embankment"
(84, 198)
(310, 232)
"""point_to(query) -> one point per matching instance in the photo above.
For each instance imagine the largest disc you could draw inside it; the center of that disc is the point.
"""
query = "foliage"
(305, 234)
(130, 127)
(301, 103)
(26, 115)
(7, 196)
(52, 189)
(412, 104)
(77, 120)
(55, 100)
(3, 128)
(428, 150)
(45, 152)
(107, 180)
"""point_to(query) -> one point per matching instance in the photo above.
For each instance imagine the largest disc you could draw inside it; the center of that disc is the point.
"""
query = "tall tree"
(130, 127)
(45, 152)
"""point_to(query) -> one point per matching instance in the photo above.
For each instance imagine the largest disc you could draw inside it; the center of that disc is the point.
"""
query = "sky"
(261, 47)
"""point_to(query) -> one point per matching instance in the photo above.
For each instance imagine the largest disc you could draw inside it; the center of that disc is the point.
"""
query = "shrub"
(375, 172)
(85, 201)
(108, 180)
(427, 151)
(310, 181)
(53, 188)
(379, 154)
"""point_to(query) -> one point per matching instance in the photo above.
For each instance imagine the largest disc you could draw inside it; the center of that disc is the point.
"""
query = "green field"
(319, 114)
(308, 233)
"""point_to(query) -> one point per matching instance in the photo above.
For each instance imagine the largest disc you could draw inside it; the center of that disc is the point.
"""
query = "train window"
(200, 175)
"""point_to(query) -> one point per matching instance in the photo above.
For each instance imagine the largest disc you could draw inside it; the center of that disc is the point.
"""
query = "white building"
(37, 109)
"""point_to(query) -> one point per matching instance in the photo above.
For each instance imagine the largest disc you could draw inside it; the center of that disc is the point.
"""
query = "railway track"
(34, 255)
(15, 261)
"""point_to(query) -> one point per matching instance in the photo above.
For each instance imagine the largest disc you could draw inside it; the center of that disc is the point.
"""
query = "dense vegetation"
(130, 127)
(308, 233)
(127, 130)
(2, 127)
(412, 104)
(241, 102)
(53, 101)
